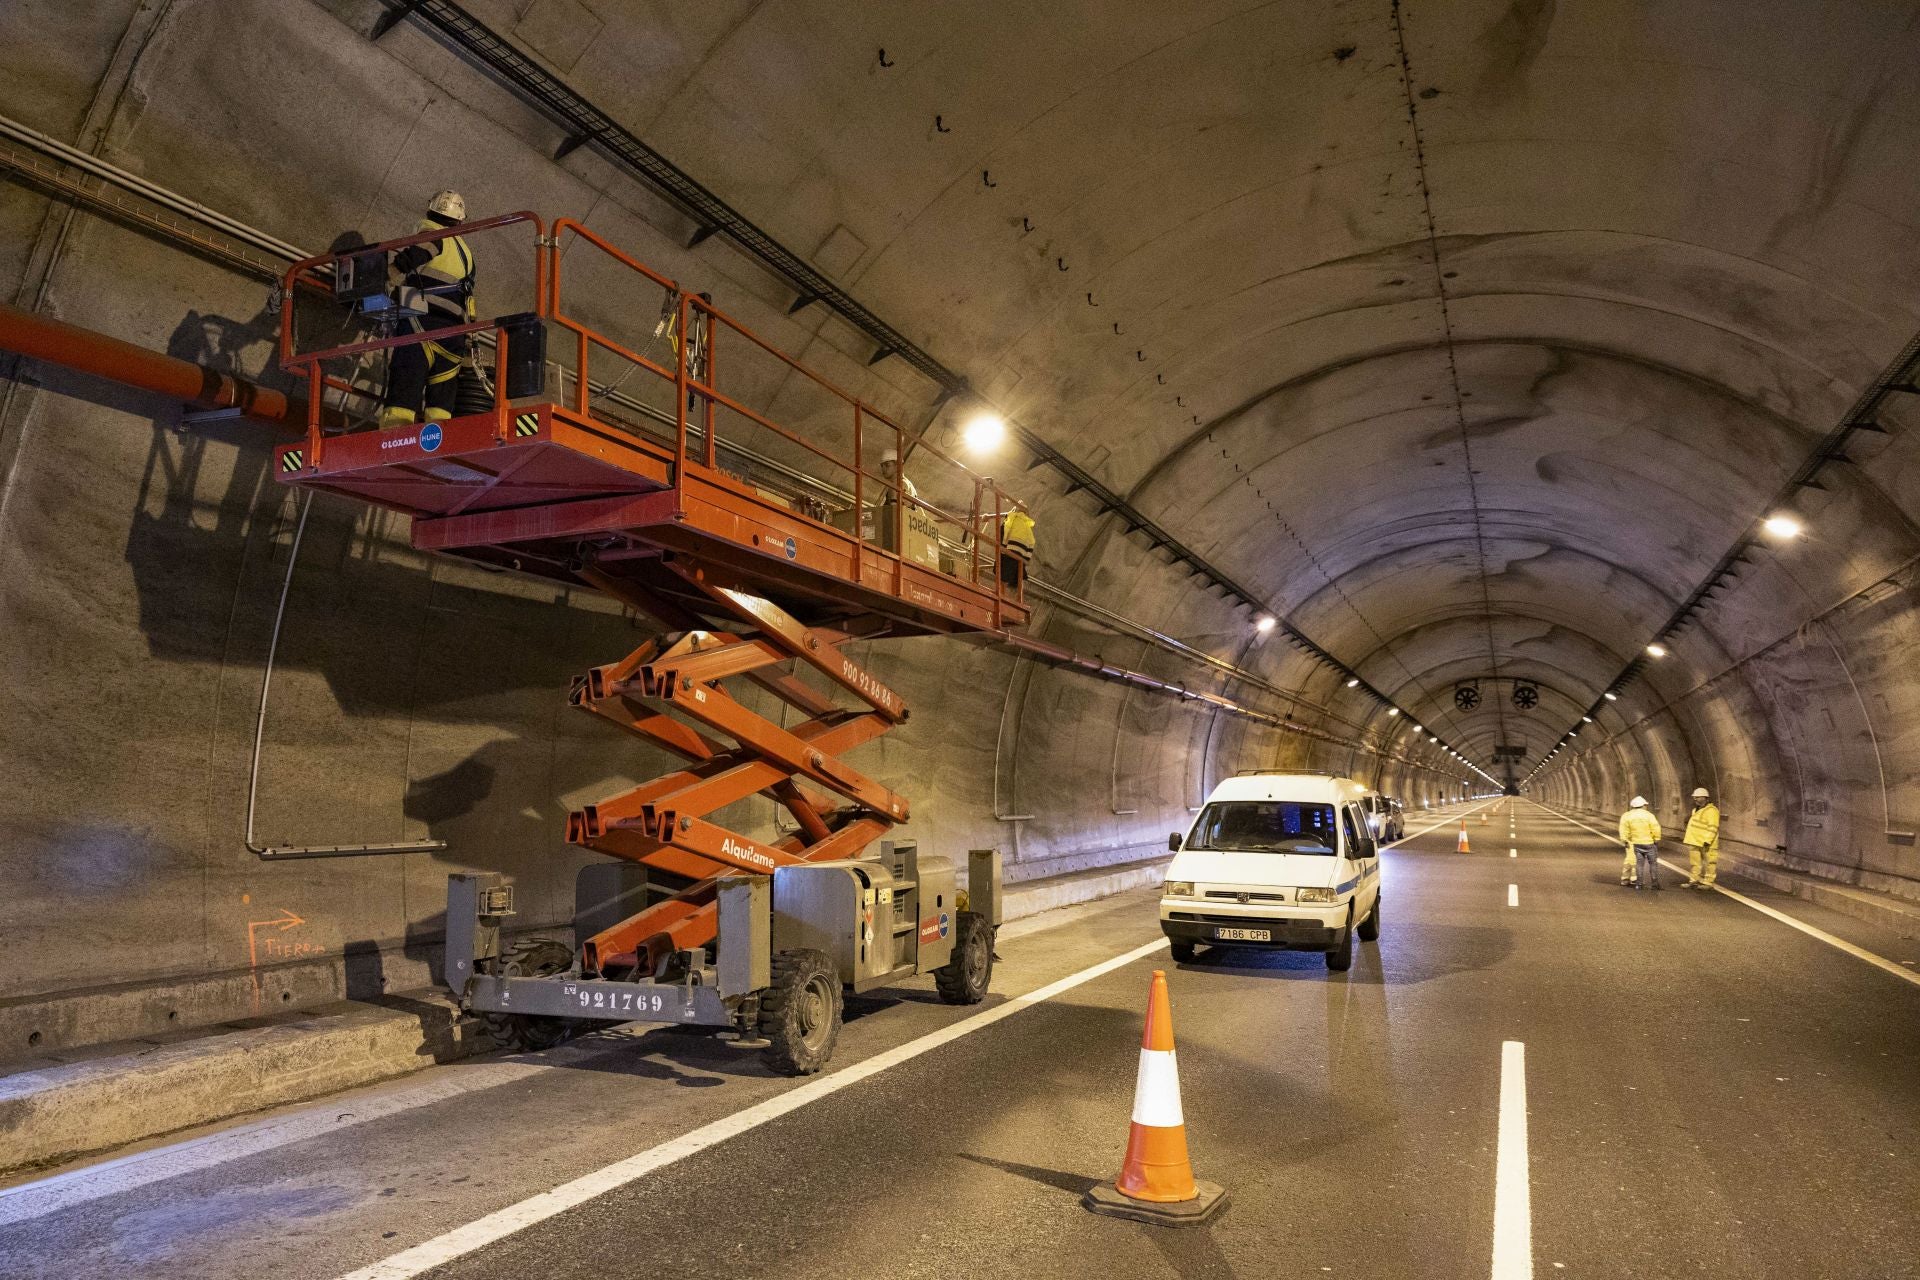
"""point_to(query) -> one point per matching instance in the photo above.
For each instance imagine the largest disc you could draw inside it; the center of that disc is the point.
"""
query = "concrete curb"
(57, 1113)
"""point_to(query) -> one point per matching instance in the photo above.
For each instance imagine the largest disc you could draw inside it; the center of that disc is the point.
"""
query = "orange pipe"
(56, 342)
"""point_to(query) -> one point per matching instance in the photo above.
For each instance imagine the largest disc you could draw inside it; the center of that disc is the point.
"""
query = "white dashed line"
(1513, 895)
(1512, 1199)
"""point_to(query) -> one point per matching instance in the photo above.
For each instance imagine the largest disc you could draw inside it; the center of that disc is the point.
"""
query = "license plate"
(1243, 935)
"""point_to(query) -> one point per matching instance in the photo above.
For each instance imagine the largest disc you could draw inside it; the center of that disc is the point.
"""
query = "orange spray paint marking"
(285, 921)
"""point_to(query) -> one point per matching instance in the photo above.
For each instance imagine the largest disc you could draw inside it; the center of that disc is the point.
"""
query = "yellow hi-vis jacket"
(1703, 827)
(1638, 826)
(1016, 534)
(437, 276)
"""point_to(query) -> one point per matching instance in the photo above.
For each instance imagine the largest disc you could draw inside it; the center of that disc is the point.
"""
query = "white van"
(1277, 861)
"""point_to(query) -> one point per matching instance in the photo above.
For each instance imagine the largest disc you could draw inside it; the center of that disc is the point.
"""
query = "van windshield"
(1265, 826)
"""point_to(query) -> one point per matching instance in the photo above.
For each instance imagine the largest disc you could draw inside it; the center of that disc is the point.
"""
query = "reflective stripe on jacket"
(1703, 826)
(1016, 534)
(437, 275)
(1639, 826)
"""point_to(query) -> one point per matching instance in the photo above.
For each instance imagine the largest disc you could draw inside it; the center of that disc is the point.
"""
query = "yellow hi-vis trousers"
(1698, 854)
(1627, 867)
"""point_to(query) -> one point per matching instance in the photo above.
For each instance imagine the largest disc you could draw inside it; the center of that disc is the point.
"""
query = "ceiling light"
(1586, 719)
(985, 432)
(1656, 650)
(1612, 696)
(1351, 683)
(1783, 526)
(1393, 711)
(1263, 624)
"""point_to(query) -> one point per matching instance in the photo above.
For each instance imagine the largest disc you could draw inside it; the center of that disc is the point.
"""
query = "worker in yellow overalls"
(1703, 840)
(1016, 551)
(435, 283)
(1640, 833)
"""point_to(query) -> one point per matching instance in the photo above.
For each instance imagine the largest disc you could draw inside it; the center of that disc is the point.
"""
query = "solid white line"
(1858, 952)
(517, 1217)
(1512, 1198)
(111, 1177)
(1513, 895)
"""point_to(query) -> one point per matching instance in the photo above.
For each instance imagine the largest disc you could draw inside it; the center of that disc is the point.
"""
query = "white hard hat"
(450, 205)
(891, 455)
(1639, 802)
(1700, 793)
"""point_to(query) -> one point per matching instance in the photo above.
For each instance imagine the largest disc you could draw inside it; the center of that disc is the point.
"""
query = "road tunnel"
(1507, 405)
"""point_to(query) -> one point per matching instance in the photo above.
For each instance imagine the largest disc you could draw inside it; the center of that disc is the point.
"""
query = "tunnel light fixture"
(1656, 650)
(1611, 696)
(1353, 682)
(1783, 525)
(1264, 623)
(1586, 719)
(984, 432)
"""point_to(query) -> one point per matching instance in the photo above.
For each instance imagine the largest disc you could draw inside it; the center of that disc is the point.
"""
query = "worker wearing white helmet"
(1640, 833)
(1703, 840)
(436, 286)
(889, 470)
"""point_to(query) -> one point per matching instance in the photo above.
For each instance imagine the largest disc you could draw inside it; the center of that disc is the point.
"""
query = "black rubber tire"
(1340, 958)
(967, 974)
(800, 1013)
(1370, 927)
(533, 958)
(1183, 952)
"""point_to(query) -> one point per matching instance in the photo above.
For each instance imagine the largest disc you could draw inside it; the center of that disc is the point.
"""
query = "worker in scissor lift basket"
(1016, 551)
(434, 292)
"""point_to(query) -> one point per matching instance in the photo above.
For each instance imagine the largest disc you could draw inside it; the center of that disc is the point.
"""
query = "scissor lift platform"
(745, 586)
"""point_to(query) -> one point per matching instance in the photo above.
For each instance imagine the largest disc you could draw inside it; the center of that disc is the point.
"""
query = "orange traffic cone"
(1156, 1182)
(1463, 846)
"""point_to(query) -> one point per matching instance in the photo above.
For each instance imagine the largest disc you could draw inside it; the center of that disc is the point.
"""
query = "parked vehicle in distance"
(1276, 861)
(1388, 816)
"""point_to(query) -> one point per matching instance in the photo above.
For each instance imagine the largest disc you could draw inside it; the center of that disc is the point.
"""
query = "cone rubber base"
(1106, 1199)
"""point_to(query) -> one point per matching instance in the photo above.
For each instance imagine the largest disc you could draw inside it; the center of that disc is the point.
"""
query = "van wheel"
(1182, 952)
(1340, 958)
(1370, 927)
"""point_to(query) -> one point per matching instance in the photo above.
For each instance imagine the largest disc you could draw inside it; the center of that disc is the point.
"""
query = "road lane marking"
(1512, 1197)
(1447, 821)
(1858, 952)
(1513, 853)
(502, 1223)
(94, 1182)
(1513, 895)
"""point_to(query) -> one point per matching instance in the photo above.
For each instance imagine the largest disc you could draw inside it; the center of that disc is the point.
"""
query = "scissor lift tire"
(965, 977)
(533, 958)
(800, 1012)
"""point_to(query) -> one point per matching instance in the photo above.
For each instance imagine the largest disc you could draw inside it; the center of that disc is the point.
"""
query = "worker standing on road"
(1016, 551)
(436, 284)
(1640, 832)
(1703, 840)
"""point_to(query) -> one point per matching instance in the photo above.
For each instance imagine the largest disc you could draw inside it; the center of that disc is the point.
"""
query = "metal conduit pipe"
(99, 168)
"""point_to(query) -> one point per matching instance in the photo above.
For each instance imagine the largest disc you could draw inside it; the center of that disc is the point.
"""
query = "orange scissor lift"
(565, 474)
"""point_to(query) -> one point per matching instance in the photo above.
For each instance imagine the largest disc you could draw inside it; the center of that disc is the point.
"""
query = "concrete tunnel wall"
(1471, 337)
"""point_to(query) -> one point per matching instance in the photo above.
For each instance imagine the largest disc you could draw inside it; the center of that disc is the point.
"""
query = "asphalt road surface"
(1533, 1072)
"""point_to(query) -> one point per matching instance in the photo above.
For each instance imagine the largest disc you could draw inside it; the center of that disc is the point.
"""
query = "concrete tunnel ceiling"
(1473, 334)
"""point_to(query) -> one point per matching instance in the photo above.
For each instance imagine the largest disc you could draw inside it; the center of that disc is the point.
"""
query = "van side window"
(1354, 848)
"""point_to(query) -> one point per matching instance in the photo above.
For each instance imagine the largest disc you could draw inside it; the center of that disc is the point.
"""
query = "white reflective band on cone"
(1156, 1096)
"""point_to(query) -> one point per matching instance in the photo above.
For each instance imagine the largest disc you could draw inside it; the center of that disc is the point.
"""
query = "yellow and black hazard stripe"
(527, 424)
(292, 460)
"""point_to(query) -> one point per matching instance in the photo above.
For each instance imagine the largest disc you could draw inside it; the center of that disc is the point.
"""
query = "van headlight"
(1179, 888)
(1316, 895)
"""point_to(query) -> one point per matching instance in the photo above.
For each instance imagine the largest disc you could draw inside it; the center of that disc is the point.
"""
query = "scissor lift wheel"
(533, 958)
(800, 1012)
(965, 978)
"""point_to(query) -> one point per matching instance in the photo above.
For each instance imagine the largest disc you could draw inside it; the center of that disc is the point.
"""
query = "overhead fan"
(1526, 697)
(1466, 697)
